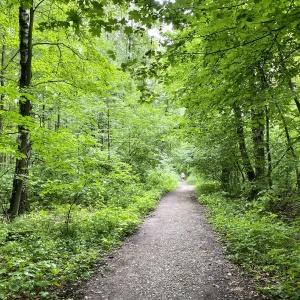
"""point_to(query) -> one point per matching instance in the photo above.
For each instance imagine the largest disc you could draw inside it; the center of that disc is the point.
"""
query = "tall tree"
(238, 57)
(2, 83)
(19, 199)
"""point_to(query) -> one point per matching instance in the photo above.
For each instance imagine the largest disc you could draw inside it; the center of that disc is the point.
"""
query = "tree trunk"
(108, 142)
(2, 83)
(240, 171)
(269, 157)
(43, 118)
(292, 88)
(225, 177)
(242, 144)
(290, 146)
(57, 125)
(258, 145)
(19, 200)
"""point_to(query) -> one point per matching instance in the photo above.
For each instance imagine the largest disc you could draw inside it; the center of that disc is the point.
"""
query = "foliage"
(207, 187)
(97, 160)
(234, 69)
(103, 136)
(163, 178)
(192, 179)
(44, 249)
(267, 248)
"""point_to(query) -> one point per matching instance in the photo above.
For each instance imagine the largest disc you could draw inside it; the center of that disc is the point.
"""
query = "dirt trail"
(174, 255)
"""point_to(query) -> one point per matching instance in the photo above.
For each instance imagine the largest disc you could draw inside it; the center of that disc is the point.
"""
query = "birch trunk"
(19, 200)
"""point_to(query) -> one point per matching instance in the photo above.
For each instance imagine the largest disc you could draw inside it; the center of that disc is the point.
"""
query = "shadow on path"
(174, 255)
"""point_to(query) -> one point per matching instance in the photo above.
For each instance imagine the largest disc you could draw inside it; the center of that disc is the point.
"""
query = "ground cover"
(265, 245)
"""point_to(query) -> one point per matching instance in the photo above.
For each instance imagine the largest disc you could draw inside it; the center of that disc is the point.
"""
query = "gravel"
(173, 255)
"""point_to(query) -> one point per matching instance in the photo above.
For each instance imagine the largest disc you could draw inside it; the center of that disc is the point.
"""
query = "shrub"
(164, 180)
(267, 248)
(43, 249)
(208, 187)
(192, 179)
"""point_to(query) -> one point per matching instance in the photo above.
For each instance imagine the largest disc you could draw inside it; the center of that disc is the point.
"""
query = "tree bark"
(2, 83)
(19, 200)
(261, 146)
(258, 144)
(242, 144)
(268, 149)
(57, 125)
(108, 141)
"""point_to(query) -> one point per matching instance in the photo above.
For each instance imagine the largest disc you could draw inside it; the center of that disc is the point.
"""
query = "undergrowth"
(42, 250)
(266, 247)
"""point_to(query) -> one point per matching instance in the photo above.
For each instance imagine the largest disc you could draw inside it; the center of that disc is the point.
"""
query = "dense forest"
(103, 103)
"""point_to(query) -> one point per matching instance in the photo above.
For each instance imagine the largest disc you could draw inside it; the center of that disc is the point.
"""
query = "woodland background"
(98, 118)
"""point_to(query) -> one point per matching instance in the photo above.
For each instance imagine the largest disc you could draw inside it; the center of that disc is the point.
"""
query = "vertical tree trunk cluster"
(259, 166)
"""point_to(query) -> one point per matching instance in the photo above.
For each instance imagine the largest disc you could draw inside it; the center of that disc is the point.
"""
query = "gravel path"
(174, 255)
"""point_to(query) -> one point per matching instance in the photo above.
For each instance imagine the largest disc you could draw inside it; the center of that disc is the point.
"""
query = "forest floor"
(173, 255)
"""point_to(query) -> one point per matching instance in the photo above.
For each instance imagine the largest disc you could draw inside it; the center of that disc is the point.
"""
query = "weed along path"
(173, 255)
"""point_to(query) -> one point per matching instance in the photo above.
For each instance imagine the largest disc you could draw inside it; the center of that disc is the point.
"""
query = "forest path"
(174, 255)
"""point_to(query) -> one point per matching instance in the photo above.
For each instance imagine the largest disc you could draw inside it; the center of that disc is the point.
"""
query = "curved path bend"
(174, 255)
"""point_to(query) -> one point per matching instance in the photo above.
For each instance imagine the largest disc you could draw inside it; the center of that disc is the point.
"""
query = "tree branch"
(10, 60)
(60, 44)
(55, 81)
(36, 7)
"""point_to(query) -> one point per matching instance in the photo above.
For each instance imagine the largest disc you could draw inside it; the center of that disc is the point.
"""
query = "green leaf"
(43, 283)
(112, 54)
(74, 16)
(98, 7)
(128, 30)
(56, 284)
(134, 15)
(14, 287)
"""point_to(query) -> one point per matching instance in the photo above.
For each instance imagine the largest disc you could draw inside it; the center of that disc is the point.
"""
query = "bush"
(164, 180)
(43, 249)
(208, 187)
(267, 248)
(40, 251)
(192, 179)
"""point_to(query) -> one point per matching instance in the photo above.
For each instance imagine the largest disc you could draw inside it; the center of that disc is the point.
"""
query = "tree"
(98, 19)
(19, 199)
(238, 59)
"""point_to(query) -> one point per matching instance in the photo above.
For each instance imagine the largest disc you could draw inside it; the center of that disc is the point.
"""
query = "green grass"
(267, 248)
